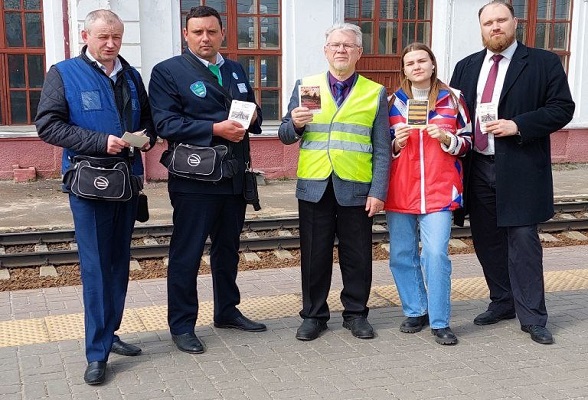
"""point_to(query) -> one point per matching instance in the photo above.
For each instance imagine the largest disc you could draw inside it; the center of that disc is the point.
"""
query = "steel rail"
(254, 225)
(59, 257)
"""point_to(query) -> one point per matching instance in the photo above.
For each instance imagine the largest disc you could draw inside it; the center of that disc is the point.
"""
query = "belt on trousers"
(488, 157)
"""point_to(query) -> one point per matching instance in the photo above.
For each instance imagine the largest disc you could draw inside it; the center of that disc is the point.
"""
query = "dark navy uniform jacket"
(185, 105)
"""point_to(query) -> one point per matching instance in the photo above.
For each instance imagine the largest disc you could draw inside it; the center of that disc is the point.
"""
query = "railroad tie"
(575, 235)
(48, 270)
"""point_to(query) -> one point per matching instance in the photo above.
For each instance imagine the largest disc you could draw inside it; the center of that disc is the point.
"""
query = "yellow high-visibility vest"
(339, 139)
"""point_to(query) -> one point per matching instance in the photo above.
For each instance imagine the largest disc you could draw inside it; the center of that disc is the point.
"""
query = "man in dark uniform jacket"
(87, 104)
(189, 108)
(509, 186)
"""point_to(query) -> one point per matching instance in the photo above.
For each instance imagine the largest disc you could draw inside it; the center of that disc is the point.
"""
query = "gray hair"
(106, 15)
(356, 30)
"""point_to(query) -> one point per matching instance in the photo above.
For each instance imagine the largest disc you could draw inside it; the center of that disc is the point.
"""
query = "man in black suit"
(509, 186)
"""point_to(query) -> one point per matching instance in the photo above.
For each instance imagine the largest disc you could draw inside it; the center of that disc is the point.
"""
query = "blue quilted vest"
(92, 105)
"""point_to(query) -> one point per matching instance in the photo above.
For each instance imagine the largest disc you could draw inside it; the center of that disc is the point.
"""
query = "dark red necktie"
(481, 139)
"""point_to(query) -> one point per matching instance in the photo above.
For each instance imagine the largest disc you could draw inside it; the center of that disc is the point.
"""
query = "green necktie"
(216, 71)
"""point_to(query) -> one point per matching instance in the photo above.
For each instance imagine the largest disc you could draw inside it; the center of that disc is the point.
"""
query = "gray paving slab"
(492, 362)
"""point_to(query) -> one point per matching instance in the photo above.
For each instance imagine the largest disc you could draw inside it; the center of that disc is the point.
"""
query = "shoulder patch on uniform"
(198, 88)
(235, 75)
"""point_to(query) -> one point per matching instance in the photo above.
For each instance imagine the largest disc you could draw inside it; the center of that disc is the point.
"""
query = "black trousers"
(511, 257)
(319, 224)
(195, 217)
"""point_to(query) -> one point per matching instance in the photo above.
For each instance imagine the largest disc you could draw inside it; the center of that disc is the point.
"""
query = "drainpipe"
(66, 32)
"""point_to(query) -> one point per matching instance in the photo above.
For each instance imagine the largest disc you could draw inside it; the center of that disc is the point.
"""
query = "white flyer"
(486, 112)
(242, 112)
(136, 139)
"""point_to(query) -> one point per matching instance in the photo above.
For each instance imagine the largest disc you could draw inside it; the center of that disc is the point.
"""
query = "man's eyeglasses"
(346, 46)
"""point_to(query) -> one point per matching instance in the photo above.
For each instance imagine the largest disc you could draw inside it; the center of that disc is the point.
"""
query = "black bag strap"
(210, 78)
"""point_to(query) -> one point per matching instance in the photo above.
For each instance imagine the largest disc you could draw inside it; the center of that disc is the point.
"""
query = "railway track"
(38, 248)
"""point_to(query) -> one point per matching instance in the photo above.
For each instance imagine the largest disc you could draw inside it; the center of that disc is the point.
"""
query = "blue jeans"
(423, 281)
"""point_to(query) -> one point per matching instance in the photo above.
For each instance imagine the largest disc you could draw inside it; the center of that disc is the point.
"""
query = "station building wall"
(152, 34)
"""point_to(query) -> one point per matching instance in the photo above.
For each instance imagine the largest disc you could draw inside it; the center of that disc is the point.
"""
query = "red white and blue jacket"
(426, 176)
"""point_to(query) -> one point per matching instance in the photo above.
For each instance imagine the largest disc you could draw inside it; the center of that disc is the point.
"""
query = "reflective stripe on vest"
(339, 139)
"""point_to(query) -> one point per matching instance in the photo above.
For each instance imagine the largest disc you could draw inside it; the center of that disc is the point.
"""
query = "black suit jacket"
(536, 96)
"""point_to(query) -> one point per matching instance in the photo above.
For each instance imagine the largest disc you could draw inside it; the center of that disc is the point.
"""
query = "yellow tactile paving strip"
(154, 318)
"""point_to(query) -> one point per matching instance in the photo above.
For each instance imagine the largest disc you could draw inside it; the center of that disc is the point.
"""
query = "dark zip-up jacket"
(83, 126)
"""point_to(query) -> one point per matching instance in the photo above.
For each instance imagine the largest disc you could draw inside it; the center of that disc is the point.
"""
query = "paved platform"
(493, 362)
(42, 350)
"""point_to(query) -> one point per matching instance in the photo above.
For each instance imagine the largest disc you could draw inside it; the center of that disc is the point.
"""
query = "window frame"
(530, 21)
(399, 20)
(25, 50)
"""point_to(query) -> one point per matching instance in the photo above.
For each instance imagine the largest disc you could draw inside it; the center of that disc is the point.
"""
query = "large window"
(22, 60)
(253, 39)
(545, 24)
(387, 27)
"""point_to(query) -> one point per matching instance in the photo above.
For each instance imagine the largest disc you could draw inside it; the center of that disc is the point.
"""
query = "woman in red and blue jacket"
(426, 185)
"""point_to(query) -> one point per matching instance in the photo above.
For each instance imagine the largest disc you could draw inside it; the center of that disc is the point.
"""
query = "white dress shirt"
(502, 68)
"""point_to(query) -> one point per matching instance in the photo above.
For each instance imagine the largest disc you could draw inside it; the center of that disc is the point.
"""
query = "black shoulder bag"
(198, 162)
(250, 192)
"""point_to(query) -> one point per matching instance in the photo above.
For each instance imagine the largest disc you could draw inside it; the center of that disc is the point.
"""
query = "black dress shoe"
(243, 323)
(539, 334)
(95, 373)
(359, 327)
(444, 336)
(188, 343)
(310, 329)
(492, 317)
(414, 324)
(125, 349)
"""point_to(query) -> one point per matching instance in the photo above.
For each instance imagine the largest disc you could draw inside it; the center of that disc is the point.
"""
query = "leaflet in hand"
(136, 139)
(310, 97)
(418, 113)
(486, 112)
(242, 112)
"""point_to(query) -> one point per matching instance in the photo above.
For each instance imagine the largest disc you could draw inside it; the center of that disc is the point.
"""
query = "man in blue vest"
(342, 181)
(87, 104)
